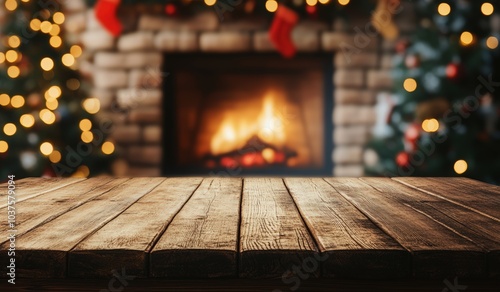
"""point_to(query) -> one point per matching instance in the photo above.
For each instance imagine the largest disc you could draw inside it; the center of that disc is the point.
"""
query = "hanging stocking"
(281, 28)
(105, 11)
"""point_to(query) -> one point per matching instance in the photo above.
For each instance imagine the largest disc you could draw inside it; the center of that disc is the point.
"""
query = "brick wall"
(126, 76)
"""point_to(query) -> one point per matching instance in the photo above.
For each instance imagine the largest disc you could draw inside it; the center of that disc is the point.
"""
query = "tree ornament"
(312, 11)
(48, 172)
(412, 61)
(402, 159)
(453, 71)
(412, 133)
(171, 9)
(401, 46)
(105, 12)
(280, 32)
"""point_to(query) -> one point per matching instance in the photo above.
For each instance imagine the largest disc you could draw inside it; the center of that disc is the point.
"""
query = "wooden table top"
(366, 228)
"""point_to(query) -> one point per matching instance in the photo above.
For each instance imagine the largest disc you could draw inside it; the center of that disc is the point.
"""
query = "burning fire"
(234, 132)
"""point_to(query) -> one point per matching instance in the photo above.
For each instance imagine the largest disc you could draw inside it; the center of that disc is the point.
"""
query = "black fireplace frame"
(192, 61)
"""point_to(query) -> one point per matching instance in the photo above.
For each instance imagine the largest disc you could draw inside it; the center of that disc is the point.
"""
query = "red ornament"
(279, 33)
(228, 162)
(312, 10)
(401, 46)
(105, 12)
(48, 172)
(412, 61)
(412, 133)
(170, 9)
(402, 158)
(453, 71)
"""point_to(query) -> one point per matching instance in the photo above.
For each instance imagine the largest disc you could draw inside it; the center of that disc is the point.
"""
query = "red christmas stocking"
(105, 12)
(281, 28)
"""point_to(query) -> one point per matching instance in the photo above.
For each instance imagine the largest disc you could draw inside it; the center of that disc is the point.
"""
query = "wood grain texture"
(28, 188)
(477, 196)
(437, 251)
(126, 240)
(351, 245)
(201, 241)
(469, 207)
(42, 209)
(42, 251)
(273, 237)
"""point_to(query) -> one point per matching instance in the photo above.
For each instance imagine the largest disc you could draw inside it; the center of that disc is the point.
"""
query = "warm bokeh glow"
(17, 101)
(108, 147)
(55, 156)
(410, 84)
(466, 38)
(45, 26)
(76, 51)
(11, 56)
(430, 125)
(2, 57)
(14, 41)
(47, 64)
(11, 5)
(92, 105)
(53, 92)
(210, 2)
(35, 24)
(9, 129)
(487, 8)
(492, 42)
(85, 125)
(344, 2)
(68, 60)
(52, 104)
(87, 136)
(58, 17)
(55, 30)
(47, 116)
(460, 166)
(311, 2)
(4, 99)
(27, 120)
(13, 71)
(55, 41)
(444, 9)
(3, 146)
(271, 5)
(46, 148)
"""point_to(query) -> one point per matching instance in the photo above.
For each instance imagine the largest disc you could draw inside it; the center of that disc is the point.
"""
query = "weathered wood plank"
(35, 186)
(42, 209)
(42, 252)
(351, 245)
(480, 197)
(437, 251)
(126, 240)
(273, 237)
(459, 213)
(201, 241)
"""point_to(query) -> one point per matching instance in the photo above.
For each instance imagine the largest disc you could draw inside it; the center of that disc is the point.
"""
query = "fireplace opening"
(247, 114)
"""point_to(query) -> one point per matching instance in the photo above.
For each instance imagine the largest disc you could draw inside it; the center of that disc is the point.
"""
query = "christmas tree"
(443, 116)
(47, 121)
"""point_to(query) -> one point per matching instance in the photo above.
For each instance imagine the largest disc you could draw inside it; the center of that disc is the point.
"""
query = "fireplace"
(247, 114)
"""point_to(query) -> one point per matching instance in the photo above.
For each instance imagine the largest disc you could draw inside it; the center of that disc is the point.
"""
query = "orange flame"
(233, 132)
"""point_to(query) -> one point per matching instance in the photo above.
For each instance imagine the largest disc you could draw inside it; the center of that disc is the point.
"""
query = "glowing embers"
(252, 140)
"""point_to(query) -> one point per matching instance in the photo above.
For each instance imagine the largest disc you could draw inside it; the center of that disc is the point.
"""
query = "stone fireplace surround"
(125, 74)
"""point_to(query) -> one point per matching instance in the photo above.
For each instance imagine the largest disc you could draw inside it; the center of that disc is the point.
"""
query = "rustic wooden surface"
(291, 229)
